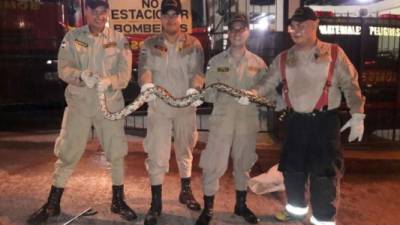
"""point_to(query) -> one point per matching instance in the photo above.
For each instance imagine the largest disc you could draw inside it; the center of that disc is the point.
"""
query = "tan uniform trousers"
(157, 143)
(71, 143)
(229, 136)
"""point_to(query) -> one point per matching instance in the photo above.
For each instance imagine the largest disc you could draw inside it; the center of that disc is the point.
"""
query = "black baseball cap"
(167, 5)
(239, 18)
(302, 14)
(97, 3)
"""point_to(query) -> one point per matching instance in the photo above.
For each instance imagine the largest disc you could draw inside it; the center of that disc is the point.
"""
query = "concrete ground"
(369, 190)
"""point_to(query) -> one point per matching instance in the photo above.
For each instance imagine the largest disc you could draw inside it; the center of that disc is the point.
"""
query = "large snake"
(164, 95)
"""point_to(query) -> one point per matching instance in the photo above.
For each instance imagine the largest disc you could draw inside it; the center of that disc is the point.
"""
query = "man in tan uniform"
(233, 122)
(175, 61)
(90, 55)
(313, 75)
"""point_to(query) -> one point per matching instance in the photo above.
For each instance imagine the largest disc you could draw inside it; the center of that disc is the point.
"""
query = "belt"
(314, 113)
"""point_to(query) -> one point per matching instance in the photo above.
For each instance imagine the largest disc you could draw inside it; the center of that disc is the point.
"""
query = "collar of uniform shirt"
(180, 42)
(181, 38)
(104, 33)
(230, 58)
(319, 49)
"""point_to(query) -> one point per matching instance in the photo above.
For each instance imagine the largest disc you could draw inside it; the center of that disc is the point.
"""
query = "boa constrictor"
(164, 95)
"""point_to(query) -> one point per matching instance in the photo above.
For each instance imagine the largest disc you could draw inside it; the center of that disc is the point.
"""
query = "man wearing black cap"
(313, 75)
(89, 56)
(175, 61)
(233, 122)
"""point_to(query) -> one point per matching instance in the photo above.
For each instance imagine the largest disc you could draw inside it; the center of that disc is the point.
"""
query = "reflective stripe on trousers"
(298, 211)
(314, 221)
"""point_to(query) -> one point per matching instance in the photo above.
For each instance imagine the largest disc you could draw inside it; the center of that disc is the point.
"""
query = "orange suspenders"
(323, 100)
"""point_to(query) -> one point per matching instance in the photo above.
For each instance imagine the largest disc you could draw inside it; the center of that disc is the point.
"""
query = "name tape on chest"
(110, 45)
(161, 48)
(253, 68)
(81, 43)
(223, 69)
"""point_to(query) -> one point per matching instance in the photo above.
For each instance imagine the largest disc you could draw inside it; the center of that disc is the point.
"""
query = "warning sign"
(143, 16)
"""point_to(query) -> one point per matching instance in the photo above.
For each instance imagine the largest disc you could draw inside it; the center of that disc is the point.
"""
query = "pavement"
(369, 188)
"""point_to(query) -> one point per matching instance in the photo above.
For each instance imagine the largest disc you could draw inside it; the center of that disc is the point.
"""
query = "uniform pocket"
(118, 148)
(111, 55)
(249, 161)
(115, 101)
(76, 92)
(62, 150)
(158, 64)
(83, 53)
(208, 160)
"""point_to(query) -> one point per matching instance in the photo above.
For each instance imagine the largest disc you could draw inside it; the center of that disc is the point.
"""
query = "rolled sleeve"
(269, 81)
(196, 66)
(67, 66)
(348, 82)
(145, 75)
(211, 78)
(261, 73)
(121, 79)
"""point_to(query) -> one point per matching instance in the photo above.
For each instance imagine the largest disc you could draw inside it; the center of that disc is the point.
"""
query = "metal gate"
(372, 44)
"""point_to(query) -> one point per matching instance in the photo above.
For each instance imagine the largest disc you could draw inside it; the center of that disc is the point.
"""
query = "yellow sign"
(143, 16)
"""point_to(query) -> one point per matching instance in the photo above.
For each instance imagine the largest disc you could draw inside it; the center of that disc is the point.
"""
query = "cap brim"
(245, 24)
(300, 19)
(168, 8)
(98, 4)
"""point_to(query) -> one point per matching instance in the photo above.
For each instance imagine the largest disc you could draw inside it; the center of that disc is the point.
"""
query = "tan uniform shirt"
(175, 67)
(242, 74)
(107, 54)
(233, 127)
(306, 74)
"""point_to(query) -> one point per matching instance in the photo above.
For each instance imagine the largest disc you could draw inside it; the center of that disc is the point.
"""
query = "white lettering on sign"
(384, 31)
(339, 30)
(356, 30)
(143, 16)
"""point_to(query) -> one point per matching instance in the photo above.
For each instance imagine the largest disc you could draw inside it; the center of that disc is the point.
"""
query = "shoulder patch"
(64, 44)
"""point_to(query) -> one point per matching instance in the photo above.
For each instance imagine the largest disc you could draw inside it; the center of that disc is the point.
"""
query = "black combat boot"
(186, 196)
(51, 208)
(118, 204)
(242, 210)
(156, 206)
(208, 211)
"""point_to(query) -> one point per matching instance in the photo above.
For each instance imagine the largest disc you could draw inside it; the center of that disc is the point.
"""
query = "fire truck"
(32, 30)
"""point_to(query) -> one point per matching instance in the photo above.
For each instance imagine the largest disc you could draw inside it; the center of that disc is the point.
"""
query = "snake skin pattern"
(164, 95)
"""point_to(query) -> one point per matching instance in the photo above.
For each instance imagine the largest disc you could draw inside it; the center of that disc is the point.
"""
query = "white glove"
(104, 84)
(89, 79)
(146, 86)
(192, 91)
(356, 124)
(244, 100)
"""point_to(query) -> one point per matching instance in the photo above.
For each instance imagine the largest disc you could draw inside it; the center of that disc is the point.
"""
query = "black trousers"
(311, 157)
